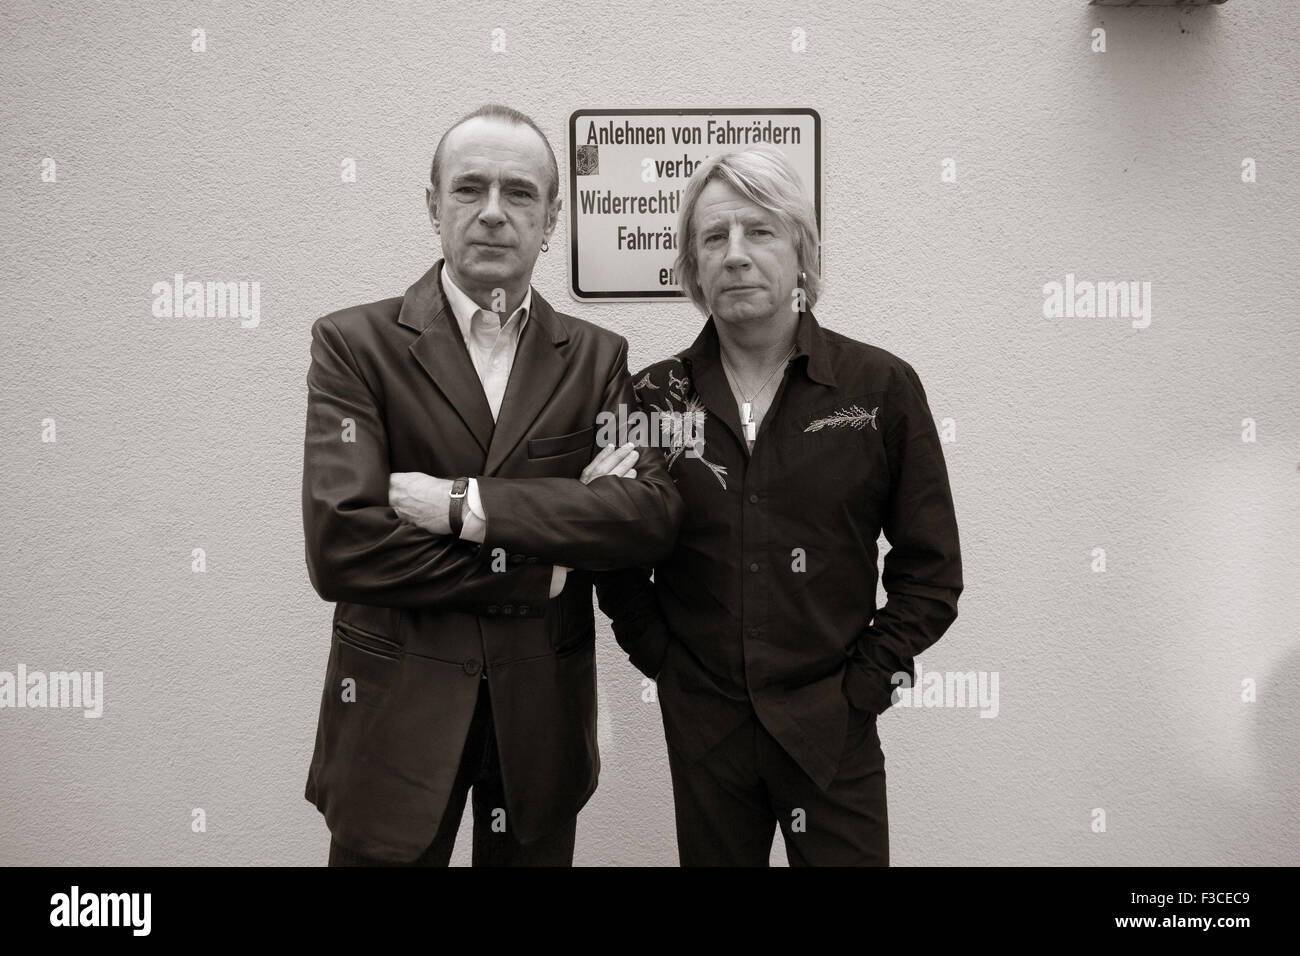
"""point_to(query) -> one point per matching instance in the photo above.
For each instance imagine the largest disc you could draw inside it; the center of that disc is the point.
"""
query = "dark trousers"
(480, 769)
(730, 802)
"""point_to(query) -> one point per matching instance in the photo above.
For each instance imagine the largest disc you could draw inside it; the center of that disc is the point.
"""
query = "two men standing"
(454, 510)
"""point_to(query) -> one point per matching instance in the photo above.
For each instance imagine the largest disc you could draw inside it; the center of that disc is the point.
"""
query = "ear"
(431, 200)
(553, 216)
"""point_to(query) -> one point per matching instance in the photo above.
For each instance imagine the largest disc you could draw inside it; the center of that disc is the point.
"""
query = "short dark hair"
(498, 112)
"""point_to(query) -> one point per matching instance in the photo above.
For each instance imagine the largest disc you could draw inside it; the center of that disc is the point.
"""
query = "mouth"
(491, 245)
(740, 288)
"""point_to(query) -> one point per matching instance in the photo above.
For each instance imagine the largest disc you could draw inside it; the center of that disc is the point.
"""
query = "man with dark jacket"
(448, 488)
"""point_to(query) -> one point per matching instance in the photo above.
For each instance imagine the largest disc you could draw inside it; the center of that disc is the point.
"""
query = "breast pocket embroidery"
(852, 416)
(844, 439)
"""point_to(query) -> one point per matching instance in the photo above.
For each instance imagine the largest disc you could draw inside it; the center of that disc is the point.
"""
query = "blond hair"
(764, 176)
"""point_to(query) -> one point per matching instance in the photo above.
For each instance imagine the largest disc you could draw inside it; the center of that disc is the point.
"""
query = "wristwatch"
(456, 511)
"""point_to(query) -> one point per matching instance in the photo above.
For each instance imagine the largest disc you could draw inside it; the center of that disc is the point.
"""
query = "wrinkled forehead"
(721, 206)
(490, 150)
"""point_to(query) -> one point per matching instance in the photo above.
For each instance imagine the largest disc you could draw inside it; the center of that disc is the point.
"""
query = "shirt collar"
(463, 307)
(809, 341)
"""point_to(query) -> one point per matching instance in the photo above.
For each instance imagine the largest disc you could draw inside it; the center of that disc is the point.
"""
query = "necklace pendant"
(747, 413)
(751, 431)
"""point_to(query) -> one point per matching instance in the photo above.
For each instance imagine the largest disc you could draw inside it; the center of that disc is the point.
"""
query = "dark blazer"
(419, 617)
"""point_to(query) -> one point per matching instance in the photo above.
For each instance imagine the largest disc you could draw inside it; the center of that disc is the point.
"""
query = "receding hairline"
(549, 162)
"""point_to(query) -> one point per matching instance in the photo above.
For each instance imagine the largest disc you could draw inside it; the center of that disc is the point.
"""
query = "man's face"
(491, 210)
(748, 264)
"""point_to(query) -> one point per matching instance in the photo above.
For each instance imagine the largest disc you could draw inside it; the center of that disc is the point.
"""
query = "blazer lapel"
(537, 370)
(441, 351)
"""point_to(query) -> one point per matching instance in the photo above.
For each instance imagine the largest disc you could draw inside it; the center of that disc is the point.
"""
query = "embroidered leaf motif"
(674, 426)
(645, 383)
(854, 417)
(719, 472)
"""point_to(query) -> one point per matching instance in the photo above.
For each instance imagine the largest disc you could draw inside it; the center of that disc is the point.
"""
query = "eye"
(760, 232)
(464, 190)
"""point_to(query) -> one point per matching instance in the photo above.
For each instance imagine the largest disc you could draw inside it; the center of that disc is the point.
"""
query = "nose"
(737, 257)
(491, 214)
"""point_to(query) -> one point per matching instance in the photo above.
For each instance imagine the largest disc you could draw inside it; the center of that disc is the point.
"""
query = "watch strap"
(456, 510)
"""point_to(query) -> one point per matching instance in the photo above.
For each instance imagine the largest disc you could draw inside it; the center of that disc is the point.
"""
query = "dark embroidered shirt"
(767, 604)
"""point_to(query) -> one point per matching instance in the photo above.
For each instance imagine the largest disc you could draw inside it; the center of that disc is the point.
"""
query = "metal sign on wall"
(627, 172)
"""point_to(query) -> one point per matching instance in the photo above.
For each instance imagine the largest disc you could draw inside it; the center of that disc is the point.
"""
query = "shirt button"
(753, 499)
(753, 567)
(472, 666)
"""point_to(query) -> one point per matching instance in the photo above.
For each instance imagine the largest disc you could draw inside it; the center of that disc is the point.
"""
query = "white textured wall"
(1118, 690)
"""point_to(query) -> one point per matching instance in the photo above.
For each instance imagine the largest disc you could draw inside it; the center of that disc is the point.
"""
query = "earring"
(546, 246)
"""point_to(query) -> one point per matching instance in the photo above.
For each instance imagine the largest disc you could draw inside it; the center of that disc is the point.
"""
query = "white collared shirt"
(491, 342)
(492, 345)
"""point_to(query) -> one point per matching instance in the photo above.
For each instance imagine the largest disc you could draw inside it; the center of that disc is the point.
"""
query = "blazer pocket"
(561, 444)
(371, 671)
(365, 640)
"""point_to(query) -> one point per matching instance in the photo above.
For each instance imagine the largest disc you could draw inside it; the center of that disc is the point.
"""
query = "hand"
(864, 688)
(421, 500)
(611, 460)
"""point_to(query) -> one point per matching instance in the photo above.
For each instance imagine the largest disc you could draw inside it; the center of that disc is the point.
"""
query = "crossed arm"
(424, 501)
(359, 549)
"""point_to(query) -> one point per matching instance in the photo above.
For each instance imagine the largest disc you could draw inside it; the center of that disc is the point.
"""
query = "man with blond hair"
(760, 627)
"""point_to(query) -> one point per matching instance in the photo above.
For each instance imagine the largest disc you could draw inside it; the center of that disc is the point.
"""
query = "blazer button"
(508, 609)
(472, 666)
(493, 609)
(523, 609)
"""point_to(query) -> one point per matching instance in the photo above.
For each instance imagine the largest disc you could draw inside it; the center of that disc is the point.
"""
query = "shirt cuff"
(474, 501)
(559, 575)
